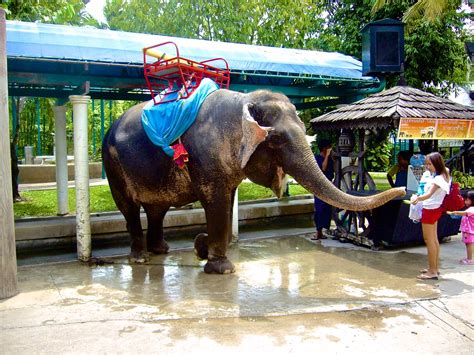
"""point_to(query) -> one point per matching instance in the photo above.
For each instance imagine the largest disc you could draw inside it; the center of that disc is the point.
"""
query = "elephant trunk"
(308, 174)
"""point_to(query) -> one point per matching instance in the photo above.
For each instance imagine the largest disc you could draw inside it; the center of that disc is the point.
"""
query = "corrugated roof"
(46, 60)
(37, 40)
(384, 109)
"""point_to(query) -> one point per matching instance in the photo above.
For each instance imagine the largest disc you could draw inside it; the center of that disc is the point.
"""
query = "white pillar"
(235, 214)
(60, 143)
(81, 175)
(8, 270)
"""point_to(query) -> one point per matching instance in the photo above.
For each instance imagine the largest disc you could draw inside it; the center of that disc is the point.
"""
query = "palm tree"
(429, 9)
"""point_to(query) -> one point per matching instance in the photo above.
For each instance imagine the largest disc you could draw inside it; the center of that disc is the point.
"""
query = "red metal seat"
(172, 74)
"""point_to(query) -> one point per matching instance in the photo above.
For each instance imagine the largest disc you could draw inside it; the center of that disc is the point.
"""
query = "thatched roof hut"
(384, 110)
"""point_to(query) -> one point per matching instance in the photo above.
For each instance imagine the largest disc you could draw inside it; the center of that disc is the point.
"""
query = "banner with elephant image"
(435, 128)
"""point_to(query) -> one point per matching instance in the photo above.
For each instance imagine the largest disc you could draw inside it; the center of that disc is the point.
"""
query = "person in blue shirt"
(322, 211)
(399, 170)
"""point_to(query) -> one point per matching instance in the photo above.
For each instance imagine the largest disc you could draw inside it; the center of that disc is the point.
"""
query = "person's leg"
(429, 236)
(318, 218)
(317, 203)
(469, 249)
(326, 216)
(436, 242)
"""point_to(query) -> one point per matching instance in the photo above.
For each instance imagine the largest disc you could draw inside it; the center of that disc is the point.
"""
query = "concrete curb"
(28, 229)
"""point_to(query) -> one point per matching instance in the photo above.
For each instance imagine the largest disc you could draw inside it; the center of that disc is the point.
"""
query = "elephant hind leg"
(131, 212)
(200, 246)
(138, 253)
(154, 237)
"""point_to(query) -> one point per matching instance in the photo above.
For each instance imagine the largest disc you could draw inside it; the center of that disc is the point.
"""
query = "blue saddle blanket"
(165, 123)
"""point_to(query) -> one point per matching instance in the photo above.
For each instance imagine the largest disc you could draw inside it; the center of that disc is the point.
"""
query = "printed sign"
(451, 143)
(452, 129)
(435, 128)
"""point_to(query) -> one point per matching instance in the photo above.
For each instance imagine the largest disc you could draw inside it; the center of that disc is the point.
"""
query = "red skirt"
(429, 216)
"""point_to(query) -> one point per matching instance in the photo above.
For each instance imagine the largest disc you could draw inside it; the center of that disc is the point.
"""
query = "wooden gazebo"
(415, 114)
(385, 109)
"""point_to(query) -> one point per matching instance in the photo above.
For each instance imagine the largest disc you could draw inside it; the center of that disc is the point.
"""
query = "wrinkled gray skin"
(235, 135)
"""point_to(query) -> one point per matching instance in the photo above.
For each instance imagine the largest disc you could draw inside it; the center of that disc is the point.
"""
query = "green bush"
(378, 151)
(465, 180)
(378, 158)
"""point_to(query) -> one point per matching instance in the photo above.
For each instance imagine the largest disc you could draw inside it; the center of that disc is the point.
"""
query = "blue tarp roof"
(55, 61)
(38, 40)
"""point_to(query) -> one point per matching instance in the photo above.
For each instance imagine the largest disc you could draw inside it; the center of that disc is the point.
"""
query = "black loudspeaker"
(382, 47)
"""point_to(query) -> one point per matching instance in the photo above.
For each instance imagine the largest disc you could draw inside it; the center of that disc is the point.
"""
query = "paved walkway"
(289, 295)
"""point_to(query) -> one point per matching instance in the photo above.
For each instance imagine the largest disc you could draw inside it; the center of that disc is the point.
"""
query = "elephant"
(235, 135)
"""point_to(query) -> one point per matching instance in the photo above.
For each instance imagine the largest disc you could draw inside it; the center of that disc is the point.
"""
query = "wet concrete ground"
(288, 295)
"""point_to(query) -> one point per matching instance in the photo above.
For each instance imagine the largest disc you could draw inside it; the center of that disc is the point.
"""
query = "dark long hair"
(470, 196)
(438, 163)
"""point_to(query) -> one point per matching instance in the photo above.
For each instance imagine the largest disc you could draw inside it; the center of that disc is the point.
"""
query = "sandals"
(424, 271)
(315, 237)
(426, 277)
(466, 261)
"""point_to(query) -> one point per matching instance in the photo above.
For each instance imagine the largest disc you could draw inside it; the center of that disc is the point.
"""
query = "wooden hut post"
(361, 158)
(8, 270)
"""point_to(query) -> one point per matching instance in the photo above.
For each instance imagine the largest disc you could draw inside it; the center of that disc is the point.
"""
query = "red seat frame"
(173, 73)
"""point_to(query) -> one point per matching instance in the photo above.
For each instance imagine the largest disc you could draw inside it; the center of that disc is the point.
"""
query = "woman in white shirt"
(436, 189)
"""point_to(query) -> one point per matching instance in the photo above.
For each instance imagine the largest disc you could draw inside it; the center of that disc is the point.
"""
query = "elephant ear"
(252, 134)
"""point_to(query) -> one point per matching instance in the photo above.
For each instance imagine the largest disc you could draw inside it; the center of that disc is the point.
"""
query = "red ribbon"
(180, 156)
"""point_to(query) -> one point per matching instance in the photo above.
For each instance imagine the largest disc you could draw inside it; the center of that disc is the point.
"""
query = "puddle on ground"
(277, 276)
(305, 328)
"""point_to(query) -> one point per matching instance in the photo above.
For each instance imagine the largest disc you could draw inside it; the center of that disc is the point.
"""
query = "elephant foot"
(139, 257)
(219, 266)
(159, 248)
(200, 246)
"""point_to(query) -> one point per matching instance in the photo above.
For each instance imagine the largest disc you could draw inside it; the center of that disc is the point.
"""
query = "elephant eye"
(276, 140)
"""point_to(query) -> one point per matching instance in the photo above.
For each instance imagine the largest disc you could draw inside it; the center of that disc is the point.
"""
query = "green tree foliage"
(378, 151)
(70, 12)
(430, 10)
(435, 58)
(289, 23)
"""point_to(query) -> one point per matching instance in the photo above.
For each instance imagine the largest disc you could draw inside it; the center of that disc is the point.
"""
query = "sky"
(95, 9)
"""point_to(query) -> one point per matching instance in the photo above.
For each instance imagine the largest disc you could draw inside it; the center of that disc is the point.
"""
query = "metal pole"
(110, 113)
(12, 103)
(411, 146)
(38, 129)
(60, 142)
(81, 176)
(15, 122)
(235, 214)
(8, 270)
(93, 128)
(102, 130)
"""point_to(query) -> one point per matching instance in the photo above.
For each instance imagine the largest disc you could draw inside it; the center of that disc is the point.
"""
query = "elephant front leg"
(201, 241)
(219, 219)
